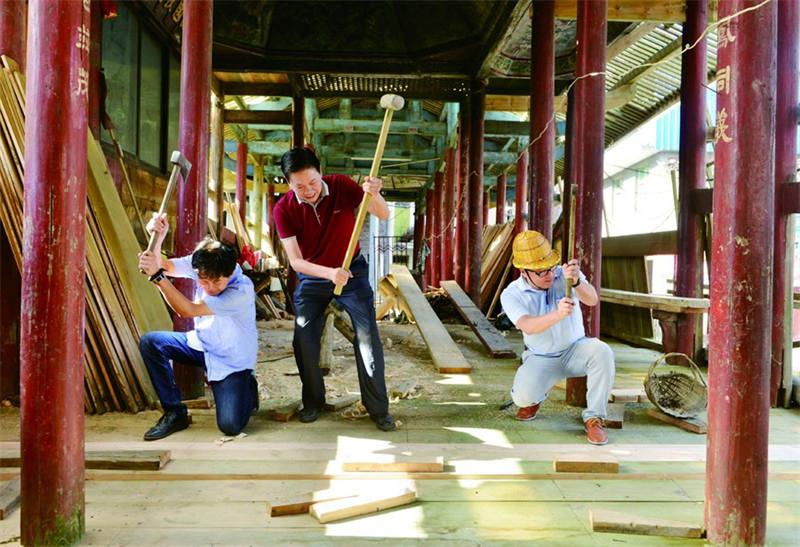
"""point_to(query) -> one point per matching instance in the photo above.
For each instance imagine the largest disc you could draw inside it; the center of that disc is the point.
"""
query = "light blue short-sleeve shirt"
(228, 338)
(519, 299)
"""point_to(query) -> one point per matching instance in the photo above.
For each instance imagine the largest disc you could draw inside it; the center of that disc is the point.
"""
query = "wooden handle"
(573, 190)
(362, 210)
(173, 182)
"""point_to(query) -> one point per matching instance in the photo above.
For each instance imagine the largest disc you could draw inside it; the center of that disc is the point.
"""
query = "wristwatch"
(578, 283)
(158, 276)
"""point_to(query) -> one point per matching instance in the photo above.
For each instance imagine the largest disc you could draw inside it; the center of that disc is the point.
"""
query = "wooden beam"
(303, 504)
(494, 342)
(586, 464)
(433, 466)
(257, 117)
(444, 352)
(624, 41)
(617, 97)
(677, 304)
(622, 523)
(689, 424)
(330, 511)
(423, 129)
(268, 148)
(657, 243)
(142, 460)
(630, 10)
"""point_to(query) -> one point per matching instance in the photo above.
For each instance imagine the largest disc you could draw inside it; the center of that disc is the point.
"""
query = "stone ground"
(498, 486)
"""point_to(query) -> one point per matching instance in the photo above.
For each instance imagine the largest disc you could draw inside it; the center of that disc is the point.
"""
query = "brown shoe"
(528, 413)
(595, 432)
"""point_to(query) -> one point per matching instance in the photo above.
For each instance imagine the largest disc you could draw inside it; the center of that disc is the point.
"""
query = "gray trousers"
(587, 357)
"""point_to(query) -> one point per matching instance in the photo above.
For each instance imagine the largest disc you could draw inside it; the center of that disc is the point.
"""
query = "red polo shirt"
(322, 230)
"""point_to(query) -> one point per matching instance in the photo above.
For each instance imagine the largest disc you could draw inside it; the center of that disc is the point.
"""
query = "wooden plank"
(656, 243)
(630, 10)
(586, 464)
(259, 117)
(330, 511)
(139, 460)
(286, 412)
(444, 352)
(303, 504)
(615, 416)
(434, 466)
(494, 342)
(9, 497)
(689, 424)
(628, 396)
(615, 522)
(665, 302)
(338, 403)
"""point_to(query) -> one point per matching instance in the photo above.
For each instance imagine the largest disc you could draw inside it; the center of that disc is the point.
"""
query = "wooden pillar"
(193, 141)
(53, 274)
(741, 297)
(692, 170)
(487, 198)
(500, 208)
(13, 18)
(270, 220)
(542, 129)
(241, 181)
(785, 158)
(217, 166)
(419, 234)
(429, 238)
(450, 178)
(521, 191)
(475, 192)
(257, 205)
(436, 232)
(95, 63)
(588, 148)
(462, 219)
(298, 123)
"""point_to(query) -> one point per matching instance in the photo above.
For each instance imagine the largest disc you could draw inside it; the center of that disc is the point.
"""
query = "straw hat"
(532, 251)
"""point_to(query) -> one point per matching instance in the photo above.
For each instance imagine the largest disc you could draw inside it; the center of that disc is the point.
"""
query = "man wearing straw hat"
(556, 346)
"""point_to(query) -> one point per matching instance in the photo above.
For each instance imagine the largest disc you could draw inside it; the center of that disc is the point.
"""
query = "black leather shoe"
(385, 422)
(308, 415)
(168, 424)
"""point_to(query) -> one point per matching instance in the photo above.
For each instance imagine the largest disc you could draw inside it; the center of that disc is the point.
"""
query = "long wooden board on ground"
(586, 464)
(694, 425)
(419, 466)
(494, 342)
(622, 523)
(330, 511)
(444, 352)
(302, 504)
(9, 497)
(136, 460)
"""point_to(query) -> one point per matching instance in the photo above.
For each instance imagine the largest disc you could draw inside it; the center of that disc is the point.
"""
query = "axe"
(179, 165)
(390, 103)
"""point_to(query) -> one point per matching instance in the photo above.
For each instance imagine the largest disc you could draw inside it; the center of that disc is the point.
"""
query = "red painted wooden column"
(691, 169)
(298, 122)
(542, 128)
(487, 198)
(193, 141)
(500, 209)
(521, 192)
(95, 63)
(741, 297)
(429, 238)
(54, 243)
(241, 181)
(436, 232)
(588, 148)
(419, 235)
(785, 159)
(462, 220)
(13, 15)
(450, 178)
(270, 220)
(475, 192)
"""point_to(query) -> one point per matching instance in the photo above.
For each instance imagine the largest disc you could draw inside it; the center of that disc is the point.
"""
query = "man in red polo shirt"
(314, 221)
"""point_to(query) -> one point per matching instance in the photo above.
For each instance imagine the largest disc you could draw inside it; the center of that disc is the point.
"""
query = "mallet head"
(392, 102)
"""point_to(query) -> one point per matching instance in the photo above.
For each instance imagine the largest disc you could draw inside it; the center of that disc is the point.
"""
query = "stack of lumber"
(120, 303)
(243, 235)
(495, 262)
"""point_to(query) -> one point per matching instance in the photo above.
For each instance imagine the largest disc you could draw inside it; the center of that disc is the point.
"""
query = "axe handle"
(572, 197)
(173, 182)
(362, 210)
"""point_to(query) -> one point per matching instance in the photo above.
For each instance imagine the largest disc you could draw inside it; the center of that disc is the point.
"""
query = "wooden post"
(257, 205)
(270, 220)
(217, 166)
(193, 141)
(419, 234)
(298, 122)
(785, 158)
(428, 238)
(241, 181)
(53, 274)
(741, 297)
(487, 198)
(588, 149)
(462, 220)
(542, 126)
(13, 18)
(500, 208)
(436, 232)
(95, 63)
(692, 171)
(450, 178)
(521, 191)
(475, 192)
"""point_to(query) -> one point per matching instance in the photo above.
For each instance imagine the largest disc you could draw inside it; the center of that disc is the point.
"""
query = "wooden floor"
(498, 485)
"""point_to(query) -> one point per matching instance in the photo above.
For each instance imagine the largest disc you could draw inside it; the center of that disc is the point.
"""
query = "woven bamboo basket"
(678, 391)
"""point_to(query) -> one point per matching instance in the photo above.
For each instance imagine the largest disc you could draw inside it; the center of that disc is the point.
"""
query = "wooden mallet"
(390, 103)
(573, 191)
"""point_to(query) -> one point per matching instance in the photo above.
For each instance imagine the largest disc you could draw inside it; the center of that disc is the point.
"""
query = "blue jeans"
(234, 396)
(312, 296)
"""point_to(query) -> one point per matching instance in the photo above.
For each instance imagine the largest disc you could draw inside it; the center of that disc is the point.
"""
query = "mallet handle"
(362, 210)
(573, 191)
(173, 182)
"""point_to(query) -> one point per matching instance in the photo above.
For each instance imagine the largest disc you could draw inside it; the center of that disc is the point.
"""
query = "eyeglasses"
(543, 273)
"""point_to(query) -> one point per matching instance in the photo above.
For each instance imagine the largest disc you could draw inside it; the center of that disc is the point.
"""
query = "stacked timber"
(120, 302)
(496, 245)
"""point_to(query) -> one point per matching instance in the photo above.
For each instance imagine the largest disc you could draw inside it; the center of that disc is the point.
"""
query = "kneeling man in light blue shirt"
(556, 346)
